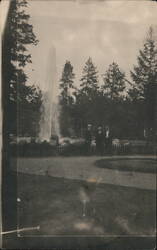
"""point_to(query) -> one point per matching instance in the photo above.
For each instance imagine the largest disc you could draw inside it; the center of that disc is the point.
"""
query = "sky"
(107, 31)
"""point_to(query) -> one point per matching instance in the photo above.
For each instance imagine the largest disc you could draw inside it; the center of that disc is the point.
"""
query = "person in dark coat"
(99, 139)
(88, 139)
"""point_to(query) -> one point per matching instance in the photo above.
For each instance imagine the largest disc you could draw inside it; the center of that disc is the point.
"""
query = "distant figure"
(54, 140)
(99, 139)
(88, 139)
(33, 140)
(108, 140)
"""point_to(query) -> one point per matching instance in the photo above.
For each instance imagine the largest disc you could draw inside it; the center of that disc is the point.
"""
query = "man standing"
(88, 139)
(99, 141)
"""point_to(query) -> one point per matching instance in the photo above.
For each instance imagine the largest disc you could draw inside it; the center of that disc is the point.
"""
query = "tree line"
(129, 112)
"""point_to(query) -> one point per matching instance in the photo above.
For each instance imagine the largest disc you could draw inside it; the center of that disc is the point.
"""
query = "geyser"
(49, 123)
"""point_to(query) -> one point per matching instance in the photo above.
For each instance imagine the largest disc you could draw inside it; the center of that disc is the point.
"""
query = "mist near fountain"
(49, 123)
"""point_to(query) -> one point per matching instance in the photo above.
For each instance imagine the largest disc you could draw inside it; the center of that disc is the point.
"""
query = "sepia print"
(79, 101)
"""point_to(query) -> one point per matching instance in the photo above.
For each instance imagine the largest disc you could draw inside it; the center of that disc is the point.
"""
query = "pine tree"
(66, 84)
(114, 81)
(17, 35)
(89, 85)
(66, 99)
(144, 76)
(145, 73)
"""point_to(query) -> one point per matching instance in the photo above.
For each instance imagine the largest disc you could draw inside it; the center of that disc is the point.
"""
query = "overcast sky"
(107, 31)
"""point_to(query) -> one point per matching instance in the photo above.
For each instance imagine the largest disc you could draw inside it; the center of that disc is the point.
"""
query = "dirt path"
(83, 168)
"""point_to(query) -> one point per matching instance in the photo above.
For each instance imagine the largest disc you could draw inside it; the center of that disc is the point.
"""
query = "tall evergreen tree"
(89, 85)
(67, 82)
(20, 34)
(86, 94)
(66, 99)
(17, 35)
(145, 73)
(144, 76)
(114, 81)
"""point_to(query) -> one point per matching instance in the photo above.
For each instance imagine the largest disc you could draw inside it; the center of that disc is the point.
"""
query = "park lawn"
(55, 205)
(127, 164)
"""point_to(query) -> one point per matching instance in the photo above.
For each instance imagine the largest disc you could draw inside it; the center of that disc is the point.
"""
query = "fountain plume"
(49, 123)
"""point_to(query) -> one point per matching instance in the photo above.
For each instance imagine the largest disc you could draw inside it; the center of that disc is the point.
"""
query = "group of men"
(101, 137)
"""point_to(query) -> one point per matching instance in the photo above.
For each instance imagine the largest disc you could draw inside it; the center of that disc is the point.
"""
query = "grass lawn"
(56, 205)
(124, 164)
